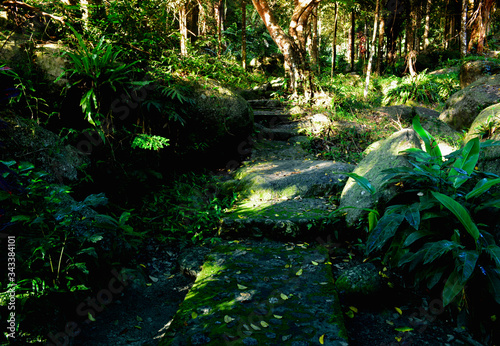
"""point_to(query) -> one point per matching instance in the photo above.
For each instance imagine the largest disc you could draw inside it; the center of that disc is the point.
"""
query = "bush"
(429, 226)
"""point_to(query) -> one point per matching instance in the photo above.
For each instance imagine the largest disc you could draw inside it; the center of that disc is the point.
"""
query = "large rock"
(486, 126)
(219, 118)
(471, 71)
(381, 155)
(27, 141)
(465, 105)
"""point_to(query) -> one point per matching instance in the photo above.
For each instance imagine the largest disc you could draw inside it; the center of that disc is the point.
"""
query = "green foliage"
(189, 210)
(433, 232)
(96, 68)
(341, 144)
(56, 237)
(422, 88)
(149, 142)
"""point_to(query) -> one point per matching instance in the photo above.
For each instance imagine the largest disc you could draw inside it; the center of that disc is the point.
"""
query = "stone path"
(278, 291)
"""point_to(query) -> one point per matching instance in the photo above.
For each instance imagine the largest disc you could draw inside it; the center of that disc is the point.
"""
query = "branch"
(13, 3)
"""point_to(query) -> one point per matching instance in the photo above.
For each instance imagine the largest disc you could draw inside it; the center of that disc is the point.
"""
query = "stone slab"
(261, 293)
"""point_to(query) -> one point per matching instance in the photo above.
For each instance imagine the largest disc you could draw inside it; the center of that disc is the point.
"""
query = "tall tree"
(380, 43)
(334, 43)
(481, 25)
(353, 36)
(244, 34)
(372, 49)
(293, 44)
(463, 29)
(427, 24)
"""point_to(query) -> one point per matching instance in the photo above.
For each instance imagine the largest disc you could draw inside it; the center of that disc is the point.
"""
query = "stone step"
(284, 130)
(261, 293)
(265, 103)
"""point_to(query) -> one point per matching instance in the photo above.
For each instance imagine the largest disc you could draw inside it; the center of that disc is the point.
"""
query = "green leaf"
(464, 165)
(437, 249)
(493, 277)
(452, 288)
(385, 229)
(372, 220)
(494, 252)
(468, 260)
(412, 215)
(414, 236)
(362, 181)
(431, 145)
(481, 187)
(460, 212)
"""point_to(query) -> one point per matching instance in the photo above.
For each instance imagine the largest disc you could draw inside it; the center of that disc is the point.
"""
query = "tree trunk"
(334, 44)
(372, 49)
(380, 44)
(394, 21)
(353, 35)
(293, 44)
(244, 34)
(183, 29)
(411, 54)
(427, 24)
(314, 51)
(481, 25)
(463, 29)
(219, 16)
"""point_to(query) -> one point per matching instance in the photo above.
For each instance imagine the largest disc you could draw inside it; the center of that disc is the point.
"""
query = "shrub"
(429, 227)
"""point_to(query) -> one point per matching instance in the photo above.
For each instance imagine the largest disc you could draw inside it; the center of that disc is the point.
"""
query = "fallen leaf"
(322, 339)
(241, 287)
(389, 322)
(283, 296)
(138, 327)
(403, 329)
(278, 317)
(264, 324)
(254, 326)
(299, 273)
(398, 310)
(89, 315)
(194, 315)
(314, 263)
(353, 308)
(138, 318)
(153, 278)
(228, 319)
(350, 314)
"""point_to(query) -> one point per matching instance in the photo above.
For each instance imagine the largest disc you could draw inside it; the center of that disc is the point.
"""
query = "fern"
(150, 142)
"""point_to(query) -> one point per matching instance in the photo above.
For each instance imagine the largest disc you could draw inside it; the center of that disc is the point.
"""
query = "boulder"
(48, 58)
(381, 155)
(27, 141)
(486, 126)
(219, 118)
(471, 71)
(466, 104)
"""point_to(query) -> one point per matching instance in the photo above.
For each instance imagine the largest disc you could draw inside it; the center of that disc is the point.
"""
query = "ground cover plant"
(440, 232)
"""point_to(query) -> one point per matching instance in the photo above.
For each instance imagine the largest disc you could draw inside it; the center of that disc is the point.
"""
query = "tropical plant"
(433, 232)
(424, 88)
(96, 68)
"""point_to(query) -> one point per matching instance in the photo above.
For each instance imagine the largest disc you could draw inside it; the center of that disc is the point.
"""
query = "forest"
(138, 135)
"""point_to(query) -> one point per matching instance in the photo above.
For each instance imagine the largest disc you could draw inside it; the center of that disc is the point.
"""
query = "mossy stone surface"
(261, 293)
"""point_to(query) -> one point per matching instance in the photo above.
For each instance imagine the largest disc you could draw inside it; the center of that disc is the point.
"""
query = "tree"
(244, 34)
(482, 19)
(427, 24)
(293, 44)
(463, 29)
(372, 49)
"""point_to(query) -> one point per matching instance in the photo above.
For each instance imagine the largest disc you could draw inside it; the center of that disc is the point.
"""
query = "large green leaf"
(385, 229)
(464, 164)
(452, 288)
(437, 249)
(493, 277)
(481, 187)
(431, 145)
(414, 236)
(460, 212)
(494, 252)
(468, 259)
(412, 215)
(362, 181)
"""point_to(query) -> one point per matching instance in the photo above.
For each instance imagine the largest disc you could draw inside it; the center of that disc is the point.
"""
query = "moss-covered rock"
(381, 155)
(471, 71)
(361, 280)
(466, 104)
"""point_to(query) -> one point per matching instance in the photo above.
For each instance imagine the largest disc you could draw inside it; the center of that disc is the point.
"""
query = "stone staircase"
(276, 289)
